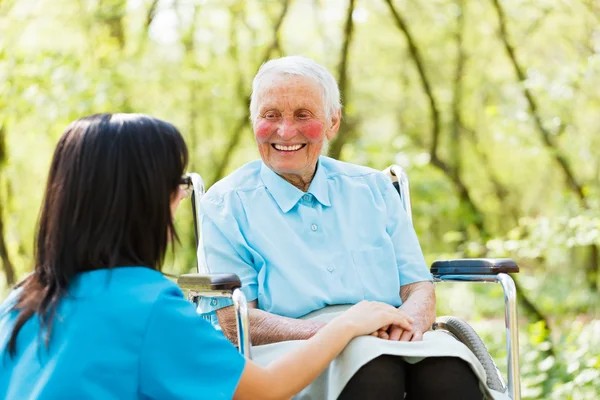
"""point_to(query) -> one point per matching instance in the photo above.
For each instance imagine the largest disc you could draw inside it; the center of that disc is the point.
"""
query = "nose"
(286, 129)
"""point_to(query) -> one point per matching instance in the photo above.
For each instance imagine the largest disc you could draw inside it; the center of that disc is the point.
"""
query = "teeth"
(288, 148)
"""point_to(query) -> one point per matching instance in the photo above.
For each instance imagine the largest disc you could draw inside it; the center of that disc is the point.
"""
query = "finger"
(395, 332)
(406, 336)
(383, 335)
(417, 337)
(376, 334)
(386, 328)
(403, 321)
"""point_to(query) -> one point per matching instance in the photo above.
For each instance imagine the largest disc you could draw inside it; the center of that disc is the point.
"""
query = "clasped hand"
(400, 334)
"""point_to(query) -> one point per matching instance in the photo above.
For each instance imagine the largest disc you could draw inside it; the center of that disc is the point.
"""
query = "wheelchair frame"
(398, 174)
(229, 286)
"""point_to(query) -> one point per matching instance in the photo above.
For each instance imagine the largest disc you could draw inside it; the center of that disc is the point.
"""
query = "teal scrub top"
(125, 333)
(346, 239)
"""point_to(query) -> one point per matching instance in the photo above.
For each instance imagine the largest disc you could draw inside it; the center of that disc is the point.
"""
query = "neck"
(301, 181)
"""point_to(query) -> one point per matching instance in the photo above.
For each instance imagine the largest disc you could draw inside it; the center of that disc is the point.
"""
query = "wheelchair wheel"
(467, 335)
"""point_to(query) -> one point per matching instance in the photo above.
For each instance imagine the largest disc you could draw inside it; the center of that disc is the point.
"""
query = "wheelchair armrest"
(474, 266)
(209, 282)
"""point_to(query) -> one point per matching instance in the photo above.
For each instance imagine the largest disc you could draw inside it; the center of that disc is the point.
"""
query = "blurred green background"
(493, 108)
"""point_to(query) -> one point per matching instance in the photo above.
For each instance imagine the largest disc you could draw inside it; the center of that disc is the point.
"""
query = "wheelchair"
(487, 270)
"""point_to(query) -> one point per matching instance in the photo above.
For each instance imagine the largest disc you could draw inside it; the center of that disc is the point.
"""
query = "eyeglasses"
(185, 185)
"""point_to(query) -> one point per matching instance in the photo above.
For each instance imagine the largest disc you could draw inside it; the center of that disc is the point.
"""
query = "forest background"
(492, 107)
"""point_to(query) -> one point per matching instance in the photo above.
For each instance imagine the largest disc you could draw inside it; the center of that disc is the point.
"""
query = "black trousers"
(390, 377)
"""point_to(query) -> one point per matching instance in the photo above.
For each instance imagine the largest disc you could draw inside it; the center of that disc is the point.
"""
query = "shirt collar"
(287, 195)
(318, 187)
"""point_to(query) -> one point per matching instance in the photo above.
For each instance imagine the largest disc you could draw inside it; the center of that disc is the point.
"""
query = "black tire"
(467, 335)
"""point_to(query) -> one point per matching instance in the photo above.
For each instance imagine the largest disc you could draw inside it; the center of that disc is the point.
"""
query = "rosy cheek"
(313, 130)
(263, 130)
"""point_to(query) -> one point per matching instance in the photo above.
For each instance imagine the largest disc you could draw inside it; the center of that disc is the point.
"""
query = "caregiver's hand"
(397, 333)
(367, 317)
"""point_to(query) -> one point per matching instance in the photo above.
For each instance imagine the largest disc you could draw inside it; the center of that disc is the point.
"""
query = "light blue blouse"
(121, 334)
(346, 239)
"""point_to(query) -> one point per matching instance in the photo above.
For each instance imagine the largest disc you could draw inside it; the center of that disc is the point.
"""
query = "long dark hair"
(107, 203)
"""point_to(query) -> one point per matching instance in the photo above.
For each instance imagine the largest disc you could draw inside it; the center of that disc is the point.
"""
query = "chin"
(286, 170)
(293, 167)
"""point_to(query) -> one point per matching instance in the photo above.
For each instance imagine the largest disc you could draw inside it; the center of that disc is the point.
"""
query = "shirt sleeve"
(409, 256)
(225, 250)
(184, 357)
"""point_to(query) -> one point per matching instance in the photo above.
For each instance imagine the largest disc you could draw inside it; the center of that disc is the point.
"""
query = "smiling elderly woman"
(305, 232)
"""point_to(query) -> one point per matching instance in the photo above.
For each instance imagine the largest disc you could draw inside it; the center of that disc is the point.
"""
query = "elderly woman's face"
(291, 125)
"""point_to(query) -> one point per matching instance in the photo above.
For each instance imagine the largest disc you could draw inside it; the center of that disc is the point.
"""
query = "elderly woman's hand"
(367, 317)
(418, 301)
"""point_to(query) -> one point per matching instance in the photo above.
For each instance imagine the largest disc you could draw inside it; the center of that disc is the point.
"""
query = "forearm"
(294, 370)
(290, 372)
(267, 328)
(418, 301)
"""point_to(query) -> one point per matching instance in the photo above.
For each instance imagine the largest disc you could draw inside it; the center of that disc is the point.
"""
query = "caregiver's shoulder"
(142, 286)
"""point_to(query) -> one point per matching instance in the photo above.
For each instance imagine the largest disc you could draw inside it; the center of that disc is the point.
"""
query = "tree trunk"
(9, 270)
(346, 130)
(559, 157)
(242, 123)
(449, 171)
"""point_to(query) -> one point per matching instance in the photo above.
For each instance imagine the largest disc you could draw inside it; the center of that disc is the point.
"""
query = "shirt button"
(314, 227)
(213, 302)
(330, 268)
(306, 197)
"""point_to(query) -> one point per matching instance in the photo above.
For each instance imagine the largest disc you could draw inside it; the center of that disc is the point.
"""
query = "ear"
(336, 118)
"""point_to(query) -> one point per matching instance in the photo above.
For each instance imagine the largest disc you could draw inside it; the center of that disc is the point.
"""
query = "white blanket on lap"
(361, 350)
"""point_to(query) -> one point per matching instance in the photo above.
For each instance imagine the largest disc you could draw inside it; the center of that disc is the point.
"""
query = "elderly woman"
(304, 232)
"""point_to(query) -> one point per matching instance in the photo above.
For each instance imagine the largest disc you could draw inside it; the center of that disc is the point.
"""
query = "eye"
(270, 115)
(303, 115)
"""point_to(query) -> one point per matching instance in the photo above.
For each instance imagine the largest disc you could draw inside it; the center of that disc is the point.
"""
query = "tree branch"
(111, 14)
(545, 135)
(559, 157)
(345, 132)
(190, 49)
(589, 5)
(457, 90)
(500, 190)
(418, 59)
(435, 160)
(9, 270)
(151, 13)
(464, 194)
(242, 123)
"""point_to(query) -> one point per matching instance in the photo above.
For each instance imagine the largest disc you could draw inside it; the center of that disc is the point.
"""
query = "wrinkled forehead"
(284, 88)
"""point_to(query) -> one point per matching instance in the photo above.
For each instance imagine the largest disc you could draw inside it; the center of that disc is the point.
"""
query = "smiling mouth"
(290, 148)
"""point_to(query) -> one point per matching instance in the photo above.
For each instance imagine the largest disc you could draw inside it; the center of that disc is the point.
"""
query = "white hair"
(298, 66)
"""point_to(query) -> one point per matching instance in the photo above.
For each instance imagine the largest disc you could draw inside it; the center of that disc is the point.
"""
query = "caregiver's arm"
(418, 301)
(293, 371)
(267, 328)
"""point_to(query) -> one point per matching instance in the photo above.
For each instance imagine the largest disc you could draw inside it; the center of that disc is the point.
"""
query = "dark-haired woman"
(96, 318)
